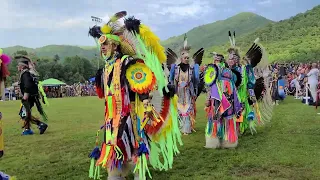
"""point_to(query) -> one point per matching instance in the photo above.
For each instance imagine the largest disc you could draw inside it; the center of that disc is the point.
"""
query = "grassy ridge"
(293, 39)
(286, 148)
(217, 33)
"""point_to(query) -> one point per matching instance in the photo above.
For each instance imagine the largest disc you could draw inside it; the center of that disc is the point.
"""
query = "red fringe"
(232, 133)
(125, 105)
(100, 92)
(215, 129)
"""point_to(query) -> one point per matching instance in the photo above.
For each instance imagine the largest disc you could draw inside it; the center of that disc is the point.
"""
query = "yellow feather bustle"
(153, 41)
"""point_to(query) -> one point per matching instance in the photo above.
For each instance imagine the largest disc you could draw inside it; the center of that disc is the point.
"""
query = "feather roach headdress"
(172, 57)
(185, 47)
(27, 62)
(134, 39)
(130, 36)
(233, 50)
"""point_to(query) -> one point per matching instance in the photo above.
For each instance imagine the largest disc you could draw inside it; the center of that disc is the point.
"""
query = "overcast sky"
(36, 23)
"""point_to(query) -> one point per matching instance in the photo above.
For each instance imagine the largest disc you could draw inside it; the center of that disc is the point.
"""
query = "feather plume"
(117, 16)
(185, 41)
(234, 38)
(131, 38)
(256, 40)
(254, 54)
(95, 32)
(132, 24)
(152, 42)
(198, 56)
(172, 57)
(231, 43)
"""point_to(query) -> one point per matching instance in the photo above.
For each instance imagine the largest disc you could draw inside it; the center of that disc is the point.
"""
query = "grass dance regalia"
(33, 94)
(223, 106)
(254, 85)
(139, 127)
(185, 78)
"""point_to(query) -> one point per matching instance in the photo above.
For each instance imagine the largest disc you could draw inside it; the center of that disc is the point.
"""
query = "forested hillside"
(294, 39)
(215, 33)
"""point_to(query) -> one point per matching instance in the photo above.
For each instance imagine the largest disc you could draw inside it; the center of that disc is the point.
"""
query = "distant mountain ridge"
(216, 33)
(293, 39)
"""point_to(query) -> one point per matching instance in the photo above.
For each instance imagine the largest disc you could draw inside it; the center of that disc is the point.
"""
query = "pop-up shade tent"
(93, 79)
(53, 82)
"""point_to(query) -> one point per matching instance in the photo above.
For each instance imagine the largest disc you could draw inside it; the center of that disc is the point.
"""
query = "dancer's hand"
(25, 96)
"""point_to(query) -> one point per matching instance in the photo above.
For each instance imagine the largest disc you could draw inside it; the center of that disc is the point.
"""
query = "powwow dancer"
(252, 85)
(184, 75)
(223, 106)
(135, 131)
(32, 92)
(4, 73)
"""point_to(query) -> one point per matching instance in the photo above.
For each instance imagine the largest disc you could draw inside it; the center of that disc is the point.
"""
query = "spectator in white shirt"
(313, 76)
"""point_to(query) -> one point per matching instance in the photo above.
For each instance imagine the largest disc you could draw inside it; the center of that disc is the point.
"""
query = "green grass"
(286, 148)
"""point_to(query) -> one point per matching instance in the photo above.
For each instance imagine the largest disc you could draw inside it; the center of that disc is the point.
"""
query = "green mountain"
(51, 50)
(217, 33)
(293, 39)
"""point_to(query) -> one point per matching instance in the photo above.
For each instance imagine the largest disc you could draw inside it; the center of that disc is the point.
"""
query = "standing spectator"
(313, 76)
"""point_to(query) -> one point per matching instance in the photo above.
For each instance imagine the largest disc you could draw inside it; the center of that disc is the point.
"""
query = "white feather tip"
(257, 41)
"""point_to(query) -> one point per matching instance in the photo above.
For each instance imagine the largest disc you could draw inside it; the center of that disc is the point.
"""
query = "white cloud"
(186, 10)
(265, 2)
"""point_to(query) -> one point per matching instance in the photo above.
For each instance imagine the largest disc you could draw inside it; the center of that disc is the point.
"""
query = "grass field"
(286, 148)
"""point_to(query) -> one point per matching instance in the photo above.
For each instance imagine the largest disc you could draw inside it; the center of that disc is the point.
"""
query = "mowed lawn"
(286, 148)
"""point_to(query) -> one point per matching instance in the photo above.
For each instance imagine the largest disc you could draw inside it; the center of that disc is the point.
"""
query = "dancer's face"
(231, 62)
(217, 60)
(185, 57)
(108, 48)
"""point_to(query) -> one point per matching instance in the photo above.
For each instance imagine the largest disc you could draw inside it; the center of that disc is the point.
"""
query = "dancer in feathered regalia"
(33, 93)
(4, 73)
(139, 127)
(253, 86)
(223, 106)
(184, 75)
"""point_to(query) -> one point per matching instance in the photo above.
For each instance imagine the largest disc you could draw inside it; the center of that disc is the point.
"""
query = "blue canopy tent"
(93, 79)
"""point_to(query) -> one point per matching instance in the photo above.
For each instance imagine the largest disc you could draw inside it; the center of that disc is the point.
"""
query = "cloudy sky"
(35, 23)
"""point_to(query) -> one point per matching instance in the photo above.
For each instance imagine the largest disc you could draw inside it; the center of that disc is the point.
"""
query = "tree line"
(69, 70)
